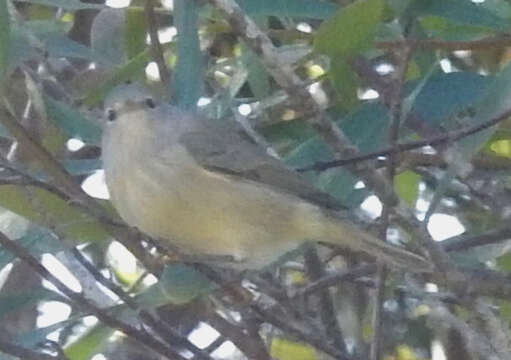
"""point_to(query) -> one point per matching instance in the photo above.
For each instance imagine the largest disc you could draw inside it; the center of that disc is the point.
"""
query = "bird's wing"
(228, 151)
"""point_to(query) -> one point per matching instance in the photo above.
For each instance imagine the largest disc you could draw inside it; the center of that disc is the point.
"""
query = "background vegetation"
(399, 108)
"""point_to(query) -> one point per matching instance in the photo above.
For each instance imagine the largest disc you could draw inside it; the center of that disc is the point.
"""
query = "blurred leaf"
(89, 343)
(347, 33)
(52, 36)
(501, 147)
(73, 123)
(38, 241)
(283, 349)
(443, 95)
(65, 4)
(134, 37)
(291, 8)
(127, 71)
(495, 101)
(14, 302)
(258, 77)
(187, 80)
(179, 284)
(504, 262)
(345, 81)
(107, 32)
(351, 30)
(466, 13)
(49, 210)
(406, 185)
(4, 39)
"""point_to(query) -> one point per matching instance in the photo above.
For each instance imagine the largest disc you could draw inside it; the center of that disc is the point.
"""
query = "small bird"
(204, 186)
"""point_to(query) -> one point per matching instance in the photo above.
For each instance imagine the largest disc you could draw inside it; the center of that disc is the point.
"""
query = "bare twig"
(156, 49)
(283, 74)
(159, 327)
(491, 42)
(138, 335)
(448, 137)
(326, 307)
(9, 347)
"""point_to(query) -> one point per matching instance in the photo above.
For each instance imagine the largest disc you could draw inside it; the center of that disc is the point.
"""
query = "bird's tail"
(345, 233)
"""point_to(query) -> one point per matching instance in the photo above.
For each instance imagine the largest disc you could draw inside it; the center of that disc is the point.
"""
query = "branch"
(491, 42)
(159, 327)
(85, 305)
(448, 137)
(283, 74)
(21, 352)
(156, 49)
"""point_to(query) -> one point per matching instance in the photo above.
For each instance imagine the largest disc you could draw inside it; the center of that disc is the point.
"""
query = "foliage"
(419, 89)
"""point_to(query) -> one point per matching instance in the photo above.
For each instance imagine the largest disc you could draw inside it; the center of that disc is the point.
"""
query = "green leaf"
(444, 95)
(14, 302)
(492, 104)
(345, 81)
(406, 185)
(347, 33)
(37, 240)
(179, 284)
(4, 39)
(50, 210)
(72, 122)
(311, 9)
(134, 38)
(90, 343)
(128, 71)
(65, 4)
(465, 13)
(187, 80)
(351, 30)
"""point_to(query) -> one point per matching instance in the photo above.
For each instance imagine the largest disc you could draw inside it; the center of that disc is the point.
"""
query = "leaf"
(72, 122)
(187, 80)
(128, 71)
(89, 343)
(37, 240)
(351, 30)
(283, 349)
(14, 302)
(134, 36)
(444, 95)
(466, 13)
(179, 284)
(290, 8)
(347, 33)
(406, 185)
(65, 4)
(4, 39)
(49, 210)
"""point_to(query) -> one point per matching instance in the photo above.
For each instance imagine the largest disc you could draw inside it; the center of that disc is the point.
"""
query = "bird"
(205, 187)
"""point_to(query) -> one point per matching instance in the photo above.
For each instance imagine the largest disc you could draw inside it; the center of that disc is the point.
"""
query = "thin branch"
(9, 347)
(448, 137)
(465, 242)
(336, 278)
(271, 318)
(156, 49)
(491, 42)
(159, 327)
(475, 342)
(85, 305)
(283, 74)
(315, 271)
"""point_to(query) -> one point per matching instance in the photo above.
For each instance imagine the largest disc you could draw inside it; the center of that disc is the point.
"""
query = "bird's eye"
(150, 103)
(111, 115)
